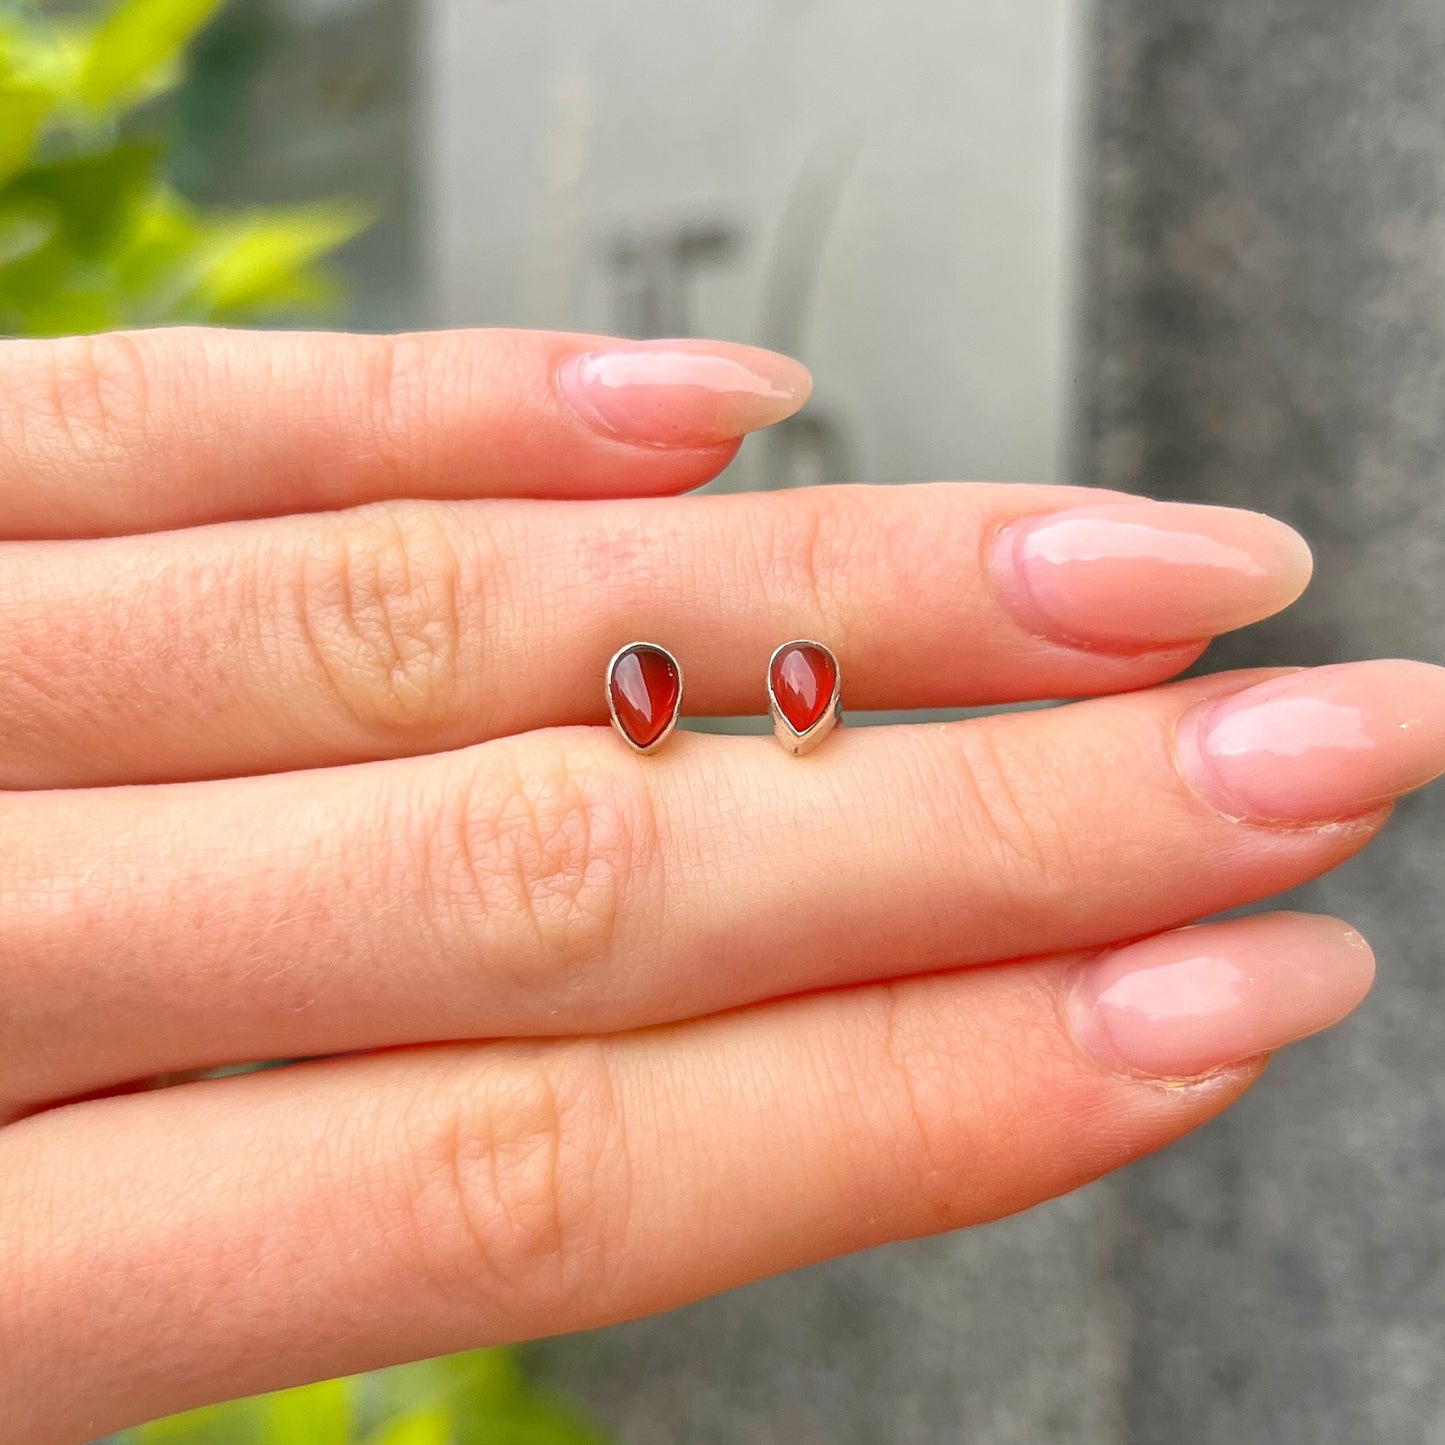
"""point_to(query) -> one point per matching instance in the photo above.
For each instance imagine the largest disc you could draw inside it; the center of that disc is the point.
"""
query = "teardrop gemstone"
(646, 691)
(803, 678)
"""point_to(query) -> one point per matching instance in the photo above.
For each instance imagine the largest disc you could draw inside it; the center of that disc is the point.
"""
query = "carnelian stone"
(646, 691)
(803, 678)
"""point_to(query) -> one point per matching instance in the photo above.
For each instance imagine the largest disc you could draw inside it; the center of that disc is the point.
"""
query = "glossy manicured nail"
(1189, 1003)
(1143, 574)
(682, 393)
(1318, 745)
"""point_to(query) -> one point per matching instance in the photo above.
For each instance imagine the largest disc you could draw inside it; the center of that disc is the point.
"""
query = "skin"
(304, 755)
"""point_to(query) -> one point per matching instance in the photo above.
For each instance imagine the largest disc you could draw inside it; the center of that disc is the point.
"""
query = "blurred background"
(1187, 250)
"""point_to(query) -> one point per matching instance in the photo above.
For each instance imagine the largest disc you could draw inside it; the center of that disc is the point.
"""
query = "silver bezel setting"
(800, 743)
(621, 731)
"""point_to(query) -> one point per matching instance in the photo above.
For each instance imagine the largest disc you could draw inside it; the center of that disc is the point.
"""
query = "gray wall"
(1265, 325)
(1268, 329)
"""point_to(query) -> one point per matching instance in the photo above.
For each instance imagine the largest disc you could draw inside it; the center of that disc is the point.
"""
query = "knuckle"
(546, 858)
(816, 541)
(517, 1187)
(920, 1093)
(85, 398)
(391, 378)
(379, 609)
(956, 1090)
(1011, 793)
(414, 387)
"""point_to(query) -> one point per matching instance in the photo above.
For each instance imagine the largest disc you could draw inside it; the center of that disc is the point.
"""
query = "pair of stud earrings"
(644, 694)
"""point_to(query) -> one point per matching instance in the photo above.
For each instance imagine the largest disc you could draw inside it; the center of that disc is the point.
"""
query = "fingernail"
(682, 393)
(1147, 574)
(1319, 745)
(1189, 1003)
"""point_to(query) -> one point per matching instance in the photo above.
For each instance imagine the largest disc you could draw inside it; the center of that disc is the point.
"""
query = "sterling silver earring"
(644, 694)
(804, 694)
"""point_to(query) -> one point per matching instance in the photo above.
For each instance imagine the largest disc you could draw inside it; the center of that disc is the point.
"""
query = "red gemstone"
(803, 677)
(646, 691)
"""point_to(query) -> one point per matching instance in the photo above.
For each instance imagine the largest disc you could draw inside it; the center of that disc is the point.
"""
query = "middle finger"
(407, 628)
(555, 883)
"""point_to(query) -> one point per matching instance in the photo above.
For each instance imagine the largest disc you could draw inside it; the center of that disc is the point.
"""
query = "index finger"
(143, 430)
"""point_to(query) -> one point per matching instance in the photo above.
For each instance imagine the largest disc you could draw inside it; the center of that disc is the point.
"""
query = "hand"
(721, 1011)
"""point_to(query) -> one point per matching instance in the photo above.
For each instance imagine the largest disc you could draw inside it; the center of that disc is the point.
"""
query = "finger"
(134, 431)
(274, 645)
(558, 884)
(241, 1235)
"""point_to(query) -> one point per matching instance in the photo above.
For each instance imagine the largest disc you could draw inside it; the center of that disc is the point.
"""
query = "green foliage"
(136, 50)
(92, 235)
(476, 1399)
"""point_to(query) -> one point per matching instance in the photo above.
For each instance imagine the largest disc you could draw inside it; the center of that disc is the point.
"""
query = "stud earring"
(644, 694)
(804, 695)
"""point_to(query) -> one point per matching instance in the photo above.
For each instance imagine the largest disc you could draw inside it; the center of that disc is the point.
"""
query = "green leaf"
(236, 1423)
(157, 261)
(92, 196)
(430, 1425)
(26, 226)
(312, 1415)
(533, 1421)
(135, 51)
(252, 263)
(25, 106)
(320, 1414)
(47, 55)
(461, 1384)
(483, 1398)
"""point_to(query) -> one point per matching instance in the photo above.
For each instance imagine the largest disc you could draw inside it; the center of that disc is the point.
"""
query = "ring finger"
(555, 884)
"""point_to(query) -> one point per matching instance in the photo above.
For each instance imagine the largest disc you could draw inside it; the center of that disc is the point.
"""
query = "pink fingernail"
(1147, 574)
(1320, 745)
(1189, 1003)
(682, 393)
